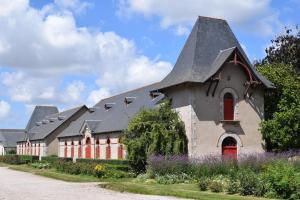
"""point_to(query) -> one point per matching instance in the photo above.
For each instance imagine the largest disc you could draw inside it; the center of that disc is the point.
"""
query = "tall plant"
(157, 131)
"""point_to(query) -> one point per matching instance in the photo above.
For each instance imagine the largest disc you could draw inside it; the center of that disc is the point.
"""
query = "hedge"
(52, 159)
(18, 159)
(100, 161)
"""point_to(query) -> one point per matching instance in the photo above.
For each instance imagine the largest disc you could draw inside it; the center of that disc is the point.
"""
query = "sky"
(73, 52)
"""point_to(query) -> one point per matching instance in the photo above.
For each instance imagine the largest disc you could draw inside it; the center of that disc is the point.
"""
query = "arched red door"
(88, 148)
(72, 149)
(79, 149)
(66, 150)
(97, 149)
(229, 148)
(108, 149)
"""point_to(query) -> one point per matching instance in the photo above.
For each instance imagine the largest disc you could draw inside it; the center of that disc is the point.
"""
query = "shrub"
(28, 158)
(41, 165)
(203, 184)
(248, 182)
(100, 161)
(215, 186)
(99, 170)
(280, 178)
(233, 187)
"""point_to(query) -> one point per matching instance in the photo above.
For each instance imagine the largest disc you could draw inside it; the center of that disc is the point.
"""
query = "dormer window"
(108, 106)
(52, 119)
(38, 123)
(129, 100)
(61, 117)
(153, 95)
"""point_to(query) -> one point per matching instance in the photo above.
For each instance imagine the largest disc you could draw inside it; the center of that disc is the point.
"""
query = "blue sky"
(72, 52)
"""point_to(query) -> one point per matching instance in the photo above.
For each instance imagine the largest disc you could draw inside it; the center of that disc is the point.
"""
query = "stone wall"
(203, 115)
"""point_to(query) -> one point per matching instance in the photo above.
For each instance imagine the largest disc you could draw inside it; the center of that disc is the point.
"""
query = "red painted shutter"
(228, 109)
(229, 152)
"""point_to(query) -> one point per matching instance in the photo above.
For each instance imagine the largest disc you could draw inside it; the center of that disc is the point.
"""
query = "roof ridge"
(122, 93)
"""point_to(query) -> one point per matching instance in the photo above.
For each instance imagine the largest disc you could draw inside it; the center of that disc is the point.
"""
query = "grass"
(178, 190)
(52, 173)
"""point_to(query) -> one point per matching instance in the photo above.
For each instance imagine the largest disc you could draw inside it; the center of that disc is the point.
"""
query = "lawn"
(178, 190)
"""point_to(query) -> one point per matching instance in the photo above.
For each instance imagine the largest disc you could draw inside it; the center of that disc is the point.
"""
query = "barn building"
(213, 86)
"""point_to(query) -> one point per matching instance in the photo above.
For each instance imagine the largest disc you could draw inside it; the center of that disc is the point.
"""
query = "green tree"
(281, 129)
(285, 49)
(157, 131)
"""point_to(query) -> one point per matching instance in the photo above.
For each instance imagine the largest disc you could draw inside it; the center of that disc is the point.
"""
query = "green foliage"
(203, 184)
(281, 181)
(233, 187)
(54, 159)
(216, 186)
(156, 131)
(40, 165)
(173, 178)
(248, 182)
(18, 159)
(281, 129)
(285, 49)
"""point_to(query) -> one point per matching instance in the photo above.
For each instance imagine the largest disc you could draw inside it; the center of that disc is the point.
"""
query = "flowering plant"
(99, 170)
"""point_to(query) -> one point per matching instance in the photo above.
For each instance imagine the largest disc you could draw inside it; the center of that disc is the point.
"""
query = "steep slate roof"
(42, 129)
(208, 46)
(9, 137)
(102, 120)
(39, 113)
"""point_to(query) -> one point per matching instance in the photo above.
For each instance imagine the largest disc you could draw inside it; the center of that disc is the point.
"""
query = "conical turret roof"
(209, 40)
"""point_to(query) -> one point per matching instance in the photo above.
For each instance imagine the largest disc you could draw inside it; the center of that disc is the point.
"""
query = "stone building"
(8, 140)
(46, 123)
(213, 86)
(96, 134)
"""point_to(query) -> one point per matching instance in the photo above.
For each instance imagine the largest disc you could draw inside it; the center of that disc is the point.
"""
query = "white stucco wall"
(114, 144)
(2, 151)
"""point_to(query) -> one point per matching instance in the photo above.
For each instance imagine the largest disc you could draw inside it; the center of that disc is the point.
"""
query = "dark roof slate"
(39, 113)
(102, 120)
(41, 131)
(209, 43)
(9, 137)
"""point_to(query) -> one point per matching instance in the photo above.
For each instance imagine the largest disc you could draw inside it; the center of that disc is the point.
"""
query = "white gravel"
(15, 185)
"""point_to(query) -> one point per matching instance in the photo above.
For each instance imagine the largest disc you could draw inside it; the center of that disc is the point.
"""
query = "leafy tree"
(281, 129)
(285, 49)
(157, 131)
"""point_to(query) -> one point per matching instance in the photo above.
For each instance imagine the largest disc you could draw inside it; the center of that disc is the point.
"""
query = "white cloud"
(181, 14)
(96, 95)
(44, 45)
(4, 109)
(74, 91)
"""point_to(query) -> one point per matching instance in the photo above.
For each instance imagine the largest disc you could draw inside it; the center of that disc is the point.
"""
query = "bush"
(100, 161)
(99, 170)
(248, 182)
(233, 187)
(280, 179)
(18, 159)
(41, 165)
(203, 184)
(215, 186)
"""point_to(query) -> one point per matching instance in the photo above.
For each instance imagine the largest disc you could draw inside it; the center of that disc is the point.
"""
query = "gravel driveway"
(15, 185)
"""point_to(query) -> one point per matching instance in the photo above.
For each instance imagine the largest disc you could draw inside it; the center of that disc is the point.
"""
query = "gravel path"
(15, 185)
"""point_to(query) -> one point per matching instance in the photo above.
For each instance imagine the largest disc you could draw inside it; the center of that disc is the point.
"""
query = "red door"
(228, 107)
(120, 152)
(88, 148)
(229, 152)
(66, 150)
(229, 148)
(108, 152)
